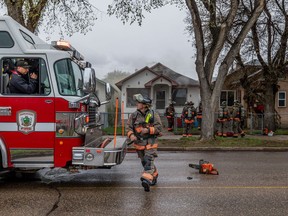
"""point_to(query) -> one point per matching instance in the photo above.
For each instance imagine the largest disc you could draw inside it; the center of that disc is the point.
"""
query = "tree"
(267, 43)
(212, 22)
(69, 16)
(115, 76)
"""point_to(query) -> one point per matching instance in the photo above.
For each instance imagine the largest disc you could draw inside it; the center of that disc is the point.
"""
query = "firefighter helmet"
(140, 99)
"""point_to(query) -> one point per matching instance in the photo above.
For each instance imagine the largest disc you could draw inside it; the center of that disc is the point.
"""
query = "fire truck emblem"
(26, 121)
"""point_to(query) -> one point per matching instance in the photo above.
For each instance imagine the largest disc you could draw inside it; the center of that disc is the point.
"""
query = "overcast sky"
(114, 46)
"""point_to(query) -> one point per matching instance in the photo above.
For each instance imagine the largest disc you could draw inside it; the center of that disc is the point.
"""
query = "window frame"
(176, 99)
(280, 99)
(70, 65)
(229, 101)
(40, 72)
(9, 36)
(131, 91)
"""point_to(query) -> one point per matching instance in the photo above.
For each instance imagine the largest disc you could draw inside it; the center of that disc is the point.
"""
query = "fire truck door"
(27, 122)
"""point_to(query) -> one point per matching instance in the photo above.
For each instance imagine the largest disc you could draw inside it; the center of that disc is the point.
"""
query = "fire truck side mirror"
(89, 80)
(108, 91)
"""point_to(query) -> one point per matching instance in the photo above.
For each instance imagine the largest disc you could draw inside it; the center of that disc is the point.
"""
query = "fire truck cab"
(58, 125)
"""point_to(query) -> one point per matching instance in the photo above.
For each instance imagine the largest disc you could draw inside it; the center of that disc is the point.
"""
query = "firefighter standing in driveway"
(188, 114)
(143, 128)
(170, 113)
(223, 120)
(237, 115)
(199, 115)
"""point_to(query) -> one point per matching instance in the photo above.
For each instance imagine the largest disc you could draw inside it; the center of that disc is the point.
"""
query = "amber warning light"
(66, 46)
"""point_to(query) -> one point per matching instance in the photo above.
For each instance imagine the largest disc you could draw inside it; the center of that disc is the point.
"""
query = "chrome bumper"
(106, 154)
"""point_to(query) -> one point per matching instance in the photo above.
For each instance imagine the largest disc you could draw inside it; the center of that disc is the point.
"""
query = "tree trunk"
(208, 120)
(33, 12)
(14, 9)
(269, 104)
(209, 103)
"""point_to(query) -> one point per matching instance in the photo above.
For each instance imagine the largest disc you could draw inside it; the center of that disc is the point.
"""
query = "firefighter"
(143, 128)
(199, 115)
(20, 83)
(188, 114)
(8, 67)
(236, 116)
(170, 114)
(223, 120)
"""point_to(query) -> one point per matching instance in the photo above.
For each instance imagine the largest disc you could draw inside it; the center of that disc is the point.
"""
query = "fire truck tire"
(1, 166)
(29, 176)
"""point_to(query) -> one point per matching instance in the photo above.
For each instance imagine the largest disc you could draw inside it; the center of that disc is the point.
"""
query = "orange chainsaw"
(205, 167)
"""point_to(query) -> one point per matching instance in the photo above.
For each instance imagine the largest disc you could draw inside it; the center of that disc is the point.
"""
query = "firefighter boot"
(155, 177)
(146, 179)
(145, 185)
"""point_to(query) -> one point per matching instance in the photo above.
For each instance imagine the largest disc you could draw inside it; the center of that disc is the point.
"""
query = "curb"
(267, 149)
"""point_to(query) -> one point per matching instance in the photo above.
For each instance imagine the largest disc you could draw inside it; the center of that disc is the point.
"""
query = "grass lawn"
(250, 141)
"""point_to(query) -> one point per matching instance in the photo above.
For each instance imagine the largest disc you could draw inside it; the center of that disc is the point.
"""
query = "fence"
(253, 124)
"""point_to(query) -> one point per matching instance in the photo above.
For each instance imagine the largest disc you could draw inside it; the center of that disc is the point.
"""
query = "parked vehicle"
(58, 125)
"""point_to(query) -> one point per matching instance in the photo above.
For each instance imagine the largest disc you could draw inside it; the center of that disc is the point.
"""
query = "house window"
(179, 96)
(131, 91)
(281, 99)
(228, 96)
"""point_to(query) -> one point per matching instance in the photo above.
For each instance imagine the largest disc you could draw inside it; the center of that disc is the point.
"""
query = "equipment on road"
(205, 167)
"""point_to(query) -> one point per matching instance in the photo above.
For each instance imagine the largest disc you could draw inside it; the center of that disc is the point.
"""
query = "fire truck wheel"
(26, 175)
(1, 167)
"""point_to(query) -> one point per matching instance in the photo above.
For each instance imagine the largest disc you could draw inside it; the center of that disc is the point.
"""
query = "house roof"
(161, 70)
(120, 83)
(149, 84)
(233, 80)
(179, 78)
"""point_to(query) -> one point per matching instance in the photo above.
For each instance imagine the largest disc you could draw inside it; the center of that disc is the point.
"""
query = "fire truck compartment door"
(112, 154)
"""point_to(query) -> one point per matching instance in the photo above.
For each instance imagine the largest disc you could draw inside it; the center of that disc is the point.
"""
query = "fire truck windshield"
(69, 78)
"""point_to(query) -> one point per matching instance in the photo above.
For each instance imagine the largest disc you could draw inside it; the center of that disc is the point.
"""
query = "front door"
(160, 99)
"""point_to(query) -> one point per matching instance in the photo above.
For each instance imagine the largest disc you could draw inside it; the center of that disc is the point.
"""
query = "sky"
(113, 46)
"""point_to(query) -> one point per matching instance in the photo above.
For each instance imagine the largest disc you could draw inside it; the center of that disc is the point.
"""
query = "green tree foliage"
(67, 16)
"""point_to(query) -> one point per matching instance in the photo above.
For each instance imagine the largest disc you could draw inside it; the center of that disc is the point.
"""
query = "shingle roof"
(161, 70)
(179, 78)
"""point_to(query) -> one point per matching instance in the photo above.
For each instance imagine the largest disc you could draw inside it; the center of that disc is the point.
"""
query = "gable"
(182, 80)
(144, 73)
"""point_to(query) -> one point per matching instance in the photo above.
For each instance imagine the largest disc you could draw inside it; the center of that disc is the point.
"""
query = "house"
(162, 85)
(281, 102)
(245, 86)
(235, 84)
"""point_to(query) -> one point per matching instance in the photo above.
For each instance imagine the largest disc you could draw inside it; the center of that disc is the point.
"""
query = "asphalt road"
(250, 183)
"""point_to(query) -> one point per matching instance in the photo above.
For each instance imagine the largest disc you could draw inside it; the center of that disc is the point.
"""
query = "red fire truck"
(58, 125)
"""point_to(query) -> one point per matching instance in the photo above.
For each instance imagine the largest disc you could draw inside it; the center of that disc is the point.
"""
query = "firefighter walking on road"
(188, 114)
(170, 114)
(143, 128)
